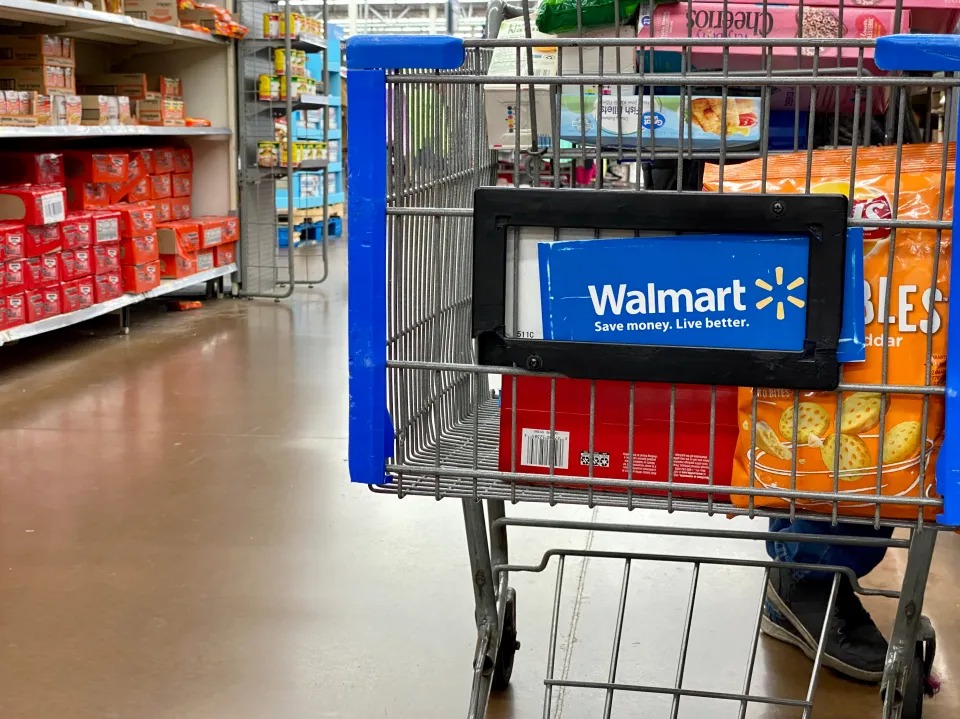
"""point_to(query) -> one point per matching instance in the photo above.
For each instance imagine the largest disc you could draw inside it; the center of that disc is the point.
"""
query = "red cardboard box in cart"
(611, 440)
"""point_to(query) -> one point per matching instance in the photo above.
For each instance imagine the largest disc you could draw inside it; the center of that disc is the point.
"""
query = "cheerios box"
(662, 121)
(508, 110)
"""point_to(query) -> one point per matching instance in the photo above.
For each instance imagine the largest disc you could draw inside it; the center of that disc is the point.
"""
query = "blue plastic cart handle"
(937, 53)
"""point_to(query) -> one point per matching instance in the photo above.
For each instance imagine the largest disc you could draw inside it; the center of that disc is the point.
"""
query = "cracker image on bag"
(881, 437)
(768, 441)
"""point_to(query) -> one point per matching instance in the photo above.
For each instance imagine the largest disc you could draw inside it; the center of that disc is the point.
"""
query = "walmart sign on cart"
(722, 291)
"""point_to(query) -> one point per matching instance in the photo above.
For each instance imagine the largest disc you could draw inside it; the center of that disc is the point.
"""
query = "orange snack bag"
(916, 310)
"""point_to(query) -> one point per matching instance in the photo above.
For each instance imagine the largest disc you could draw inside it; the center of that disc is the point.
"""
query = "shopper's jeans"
(862, 560)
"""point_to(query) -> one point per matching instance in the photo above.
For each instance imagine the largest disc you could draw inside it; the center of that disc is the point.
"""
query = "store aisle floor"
(178, 540)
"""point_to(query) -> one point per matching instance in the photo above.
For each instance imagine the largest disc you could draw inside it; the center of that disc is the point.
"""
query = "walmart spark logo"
(767, 287)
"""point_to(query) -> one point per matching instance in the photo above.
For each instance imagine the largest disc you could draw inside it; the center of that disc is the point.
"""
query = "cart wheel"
(503, 669)
(920, 683)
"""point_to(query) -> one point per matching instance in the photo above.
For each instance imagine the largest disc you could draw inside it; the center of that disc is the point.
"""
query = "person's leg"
(797, 598)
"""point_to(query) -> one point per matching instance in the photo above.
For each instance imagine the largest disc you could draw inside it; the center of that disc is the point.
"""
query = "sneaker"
(795, 610)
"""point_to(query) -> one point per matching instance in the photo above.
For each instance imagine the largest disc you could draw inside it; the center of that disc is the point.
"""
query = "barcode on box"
(538, 448)
(52, 208)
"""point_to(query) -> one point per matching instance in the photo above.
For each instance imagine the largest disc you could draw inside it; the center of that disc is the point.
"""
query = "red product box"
(97, 165)
(39, 240)
(176, 267)
(85, 285)
(163, 161)
(182, 184)
(139, 250)
(106, 226)
(42, 272)
(107, 286)
(106, 257)
(75, 264)
(225, 254)
(70, 300)
(139, 191)
(141, 278)
(15, 310)
(33, 204)
(76, 231)
(183, 159)
(87, 195)
(136, 174)
(182, 208)
(160, 186)
(136, 220)
(146, 159)
(180, 237)
(32, 168)
(164, 210)
(11, 240)
(3, 285)
(43, 303)
(211, 231)
(231, 229)
(611, 438)
(14, 276)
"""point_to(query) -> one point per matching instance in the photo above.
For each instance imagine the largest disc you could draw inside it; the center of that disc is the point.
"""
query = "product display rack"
(271, 265)
(108, 42)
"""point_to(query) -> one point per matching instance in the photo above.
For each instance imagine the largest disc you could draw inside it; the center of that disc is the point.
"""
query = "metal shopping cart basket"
(533, 344)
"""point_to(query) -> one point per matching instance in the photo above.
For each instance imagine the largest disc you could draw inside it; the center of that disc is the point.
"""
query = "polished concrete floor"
(179, 540)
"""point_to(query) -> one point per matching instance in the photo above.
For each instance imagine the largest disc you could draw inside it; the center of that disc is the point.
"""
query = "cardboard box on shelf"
(45, 78)
(177, 266)
(183, 159)
(106, 257)
(97, 165)
(70, 299)
(145, 158)
(205, 260)
(136, 220)
(135, 85)
(99, 110)
(181, 207)
(41, 239)
(508, 124)
(182, 184)
(107, 286)
(163, 163)
(43, 303)
(67, 110)
(139, 191)
(11, 240)
(161, 11)
(75, 264)
(125, 110)
(33, 204)
(211, 231)
(15, 275)
(31, 168)
(87, 291)
(76, 231)
(180, 237)
(139, 250)
(231, 228)
(87, 195)
(162, 111)
(106, 226)
(164, 210)
(141, 278)
(14, 310)
(36, 50)
(225, 254)
(160, 186)
(41, 272)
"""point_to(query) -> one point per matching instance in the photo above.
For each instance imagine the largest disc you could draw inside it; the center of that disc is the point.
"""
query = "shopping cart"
(439, 303)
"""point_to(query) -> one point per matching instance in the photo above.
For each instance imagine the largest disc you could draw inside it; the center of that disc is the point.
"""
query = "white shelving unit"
(117, 43)
(104, 308)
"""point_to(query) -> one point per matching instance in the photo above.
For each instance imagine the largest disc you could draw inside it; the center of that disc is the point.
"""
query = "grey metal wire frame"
(446, 416)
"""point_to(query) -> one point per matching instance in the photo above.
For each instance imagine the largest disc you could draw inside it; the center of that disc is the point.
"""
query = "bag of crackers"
(838, 447)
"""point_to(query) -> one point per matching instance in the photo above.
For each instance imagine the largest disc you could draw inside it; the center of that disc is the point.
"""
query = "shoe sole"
(807, 644)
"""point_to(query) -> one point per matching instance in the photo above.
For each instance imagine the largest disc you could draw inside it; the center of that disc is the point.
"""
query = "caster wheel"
(920, 682)
(503, 669)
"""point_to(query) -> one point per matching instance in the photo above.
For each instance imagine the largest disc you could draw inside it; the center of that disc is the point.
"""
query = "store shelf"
(307, 42)
(103, 27)
(72, 318)
(80, 132)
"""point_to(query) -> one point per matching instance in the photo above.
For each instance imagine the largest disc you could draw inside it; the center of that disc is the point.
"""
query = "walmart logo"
(767, 287)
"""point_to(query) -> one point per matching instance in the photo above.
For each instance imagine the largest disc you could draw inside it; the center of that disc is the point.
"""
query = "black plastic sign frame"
(823, 218)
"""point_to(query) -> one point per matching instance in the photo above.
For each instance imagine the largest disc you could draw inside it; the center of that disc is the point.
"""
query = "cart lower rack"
(781, 222)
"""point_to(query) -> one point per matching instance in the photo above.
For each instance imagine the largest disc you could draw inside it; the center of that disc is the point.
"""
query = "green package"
(557, 16)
